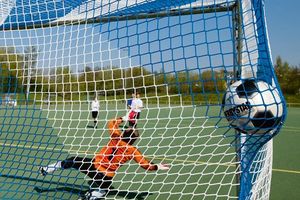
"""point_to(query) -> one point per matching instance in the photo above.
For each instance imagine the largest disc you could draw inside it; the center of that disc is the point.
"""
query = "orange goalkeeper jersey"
(117, 152)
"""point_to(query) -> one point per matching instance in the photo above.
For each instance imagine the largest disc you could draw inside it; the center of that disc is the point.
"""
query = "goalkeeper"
(102, 168)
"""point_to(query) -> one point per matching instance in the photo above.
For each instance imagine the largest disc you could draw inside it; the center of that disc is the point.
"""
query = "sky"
(59, 50)
(283, 21)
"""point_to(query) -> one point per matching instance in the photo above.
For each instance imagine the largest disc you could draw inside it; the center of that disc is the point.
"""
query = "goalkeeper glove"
(161, 166)
(124, 118)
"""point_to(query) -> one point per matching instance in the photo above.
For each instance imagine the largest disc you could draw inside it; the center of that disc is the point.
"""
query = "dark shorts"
(86, 166)
(94, 114)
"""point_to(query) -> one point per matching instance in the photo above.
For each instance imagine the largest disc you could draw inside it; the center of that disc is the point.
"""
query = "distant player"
(129, 101)
(102, 168)
(95, 106)
(135, 112)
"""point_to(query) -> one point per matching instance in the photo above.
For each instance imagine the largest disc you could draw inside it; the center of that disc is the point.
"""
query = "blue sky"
(283, 22)
(59, 50)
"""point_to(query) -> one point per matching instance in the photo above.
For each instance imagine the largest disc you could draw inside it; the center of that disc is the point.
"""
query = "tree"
(62, 81)
(87, 79)
(10, 63)
(288, 77)
(294, 80)
(30, 61)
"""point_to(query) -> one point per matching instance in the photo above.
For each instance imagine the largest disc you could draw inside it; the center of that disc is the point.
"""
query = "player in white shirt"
(95, 106)
(129, 101)
(135, 112)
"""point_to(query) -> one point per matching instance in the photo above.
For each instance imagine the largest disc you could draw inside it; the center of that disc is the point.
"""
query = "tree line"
(115, 81)
(19, 74)
(288, 77)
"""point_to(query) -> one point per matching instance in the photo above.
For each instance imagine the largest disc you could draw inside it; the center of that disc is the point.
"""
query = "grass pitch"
(198, 153)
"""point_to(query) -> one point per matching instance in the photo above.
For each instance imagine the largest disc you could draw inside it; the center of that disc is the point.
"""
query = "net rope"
(181, 66)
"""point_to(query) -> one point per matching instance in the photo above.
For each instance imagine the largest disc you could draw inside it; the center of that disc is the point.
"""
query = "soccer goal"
(202, 68)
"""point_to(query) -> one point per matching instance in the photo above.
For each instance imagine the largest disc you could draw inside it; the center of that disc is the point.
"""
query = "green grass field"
(197, 152)
(286, 163)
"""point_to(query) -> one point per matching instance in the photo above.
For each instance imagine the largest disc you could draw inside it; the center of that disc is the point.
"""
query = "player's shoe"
(93, 195)
(43, 172)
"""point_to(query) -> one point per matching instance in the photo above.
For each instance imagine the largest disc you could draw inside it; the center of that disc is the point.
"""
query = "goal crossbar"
(222, 7)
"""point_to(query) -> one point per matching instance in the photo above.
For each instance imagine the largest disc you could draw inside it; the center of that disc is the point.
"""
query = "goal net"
(56, 56)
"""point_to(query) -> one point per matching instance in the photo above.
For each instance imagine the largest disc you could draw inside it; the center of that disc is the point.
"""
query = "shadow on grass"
(77, 189)
(72, 190)
(112, 192)
(89, 126)
(41, 181)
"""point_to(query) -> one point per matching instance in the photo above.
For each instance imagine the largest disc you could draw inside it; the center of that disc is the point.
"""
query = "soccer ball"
(252, 107)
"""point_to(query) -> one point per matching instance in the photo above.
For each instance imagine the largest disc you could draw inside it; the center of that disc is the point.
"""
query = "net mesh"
(57, 55)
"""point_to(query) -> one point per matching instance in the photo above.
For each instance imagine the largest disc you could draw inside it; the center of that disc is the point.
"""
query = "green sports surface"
(31, 137)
